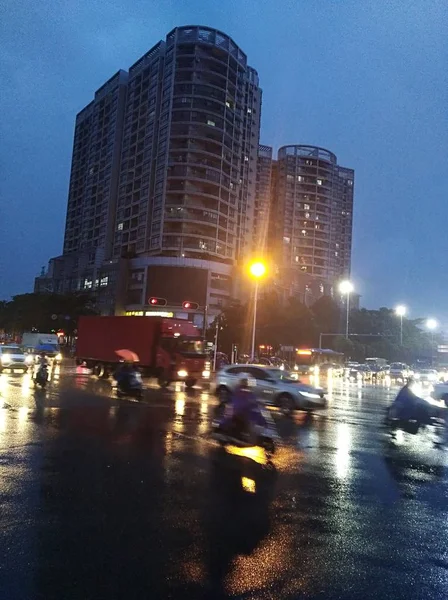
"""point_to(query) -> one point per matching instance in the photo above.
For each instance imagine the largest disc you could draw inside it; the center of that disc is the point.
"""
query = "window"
(120, 227)
(300, 178)
(319, 182)
(104, 281)
(306, 206)
(211, 123)
(88, 284)
(287, 240)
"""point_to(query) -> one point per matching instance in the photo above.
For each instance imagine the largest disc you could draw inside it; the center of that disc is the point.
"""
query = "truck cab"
(181, 354)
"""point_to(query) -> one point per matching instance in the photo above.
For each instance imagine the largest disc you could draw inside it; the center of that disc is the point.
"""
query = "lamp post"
(346, 288)
(401, 311)
(257, 270)
(432, 324)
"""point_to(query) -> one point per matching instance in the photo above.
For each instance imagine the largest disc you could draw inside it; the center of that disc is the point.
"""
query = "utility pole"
(218, 323)
(204, 327)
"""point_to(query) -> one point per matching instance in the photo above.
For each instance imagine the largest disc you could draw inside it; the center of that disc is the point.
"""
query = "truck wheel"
(163, 381)
(98, 370)
(189, 383)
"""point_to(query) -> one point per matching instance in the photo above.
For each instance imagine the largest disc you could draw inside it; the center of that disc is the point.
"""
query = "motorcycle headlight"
(58, 357)
(205, 374)
(29, 359)
(182, 373)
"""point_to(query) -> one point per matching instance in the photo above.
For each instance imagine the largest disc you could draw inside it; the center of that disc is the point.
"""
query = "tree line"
(44, 313)
(372, 332)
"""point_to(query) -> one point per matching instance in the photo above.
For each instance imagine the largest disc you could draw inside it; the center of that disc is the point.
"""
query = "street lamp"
(432, 324)
(257, 270)
(346, 288)
(401, 311)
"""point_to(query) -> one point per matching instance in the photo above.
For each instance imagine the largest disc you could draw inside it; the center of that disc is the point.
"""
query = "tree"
(44, 312)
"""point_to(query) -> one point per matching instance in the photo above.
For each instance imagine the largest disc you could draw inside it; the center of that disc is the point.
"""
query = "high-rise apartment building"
(263, 196)
(312, 220)
(310, 200)
(163, 181)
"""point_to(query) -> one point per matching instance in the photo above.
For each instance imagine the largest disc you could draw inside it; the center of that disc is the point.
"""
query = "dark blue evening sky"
(367, 79)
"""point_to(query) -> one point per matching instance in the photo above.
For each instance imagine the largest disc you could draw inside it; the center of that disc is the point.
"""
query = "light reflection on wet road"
(102, 498)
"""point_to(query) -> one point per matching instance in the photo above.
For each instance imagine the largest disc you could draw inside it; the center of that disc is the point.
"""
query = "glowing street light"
(400, 311)
(346, 288)
(431, 324)
(257, 270)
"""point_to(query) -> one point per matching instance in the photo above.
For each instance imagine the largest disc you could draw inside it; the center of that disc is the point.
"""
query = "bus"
(312, 361)
(376, 362)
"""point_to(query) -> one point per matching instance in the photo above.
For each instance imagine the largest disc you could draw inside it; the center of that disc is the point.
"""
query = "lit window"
(287, 240)
(319, 182)
(296, 259)
(303, 232)
(246, 158)
(307, 215)
(227, 104)
(349, 182)
(120, 227)
(211, 123)
(289, 177)
(300, 178)
(306, 206)
(88, 284)
(321, 288)
(104, 281)
(336, 253)
(249, 111)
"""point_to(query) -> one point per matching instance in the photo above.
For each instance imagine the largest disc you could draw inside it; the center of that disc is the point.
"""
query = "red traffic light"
(157, 301)
(190, 305)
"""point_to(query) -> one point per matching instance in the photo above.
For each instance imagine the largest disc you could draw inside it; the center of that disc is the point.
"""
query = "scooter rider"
(407, 405)
(127, 377)
(245, 414)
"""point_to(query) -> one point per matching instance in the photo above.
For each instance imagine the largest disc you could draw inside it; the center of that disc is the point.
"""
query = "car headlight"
(6, 359)
(310, 395)
(182, 373)
(29, 359)
(58, 357)
(205, 374)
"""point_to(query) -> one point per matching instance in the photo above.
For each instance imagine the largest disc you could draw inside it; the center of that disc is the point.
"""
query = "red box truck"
(168, 349)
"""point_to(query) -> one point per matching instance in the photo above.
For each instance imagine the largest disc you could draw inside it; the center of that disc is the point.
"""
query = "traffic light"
(157, 301)
(190, 305)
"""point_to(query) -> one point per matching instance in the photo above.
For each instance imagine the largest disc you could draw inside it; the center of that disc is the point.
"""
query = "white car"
(13, 358)
(399, 371)
(273, 386)
(429, 376)
(440, 391)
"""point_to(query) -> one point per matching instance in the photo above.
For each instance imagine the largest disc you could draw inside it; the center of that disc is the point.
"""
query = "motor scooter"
(235, 432)
(41, 377)
(132, 388)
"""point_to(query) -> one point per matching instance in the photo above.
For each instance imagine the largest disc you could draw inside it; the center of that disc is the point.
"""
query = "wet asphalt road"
(111, 499)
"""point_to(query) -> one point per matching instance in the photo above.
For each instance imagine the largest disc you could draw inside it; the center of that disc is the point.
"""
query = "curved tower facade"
(313, 228)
